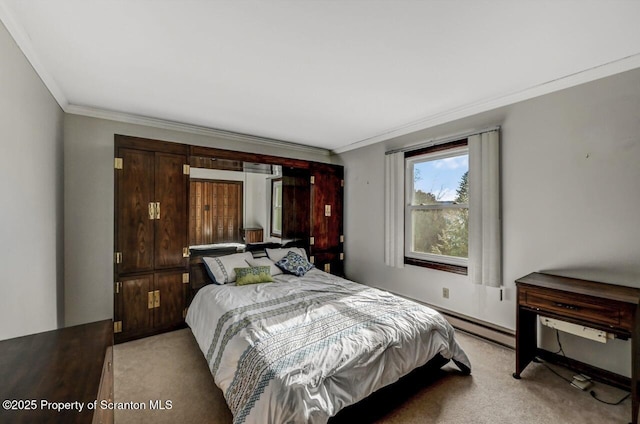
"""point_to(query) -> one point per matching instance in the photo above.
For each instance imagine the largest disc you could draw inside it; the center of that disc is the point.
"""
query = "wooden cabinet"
(152, 223)
(326, 231)
(151, 236)
(105, 391)
(307, 189)
(71, 365)
(312, 210)
(148, 303)
(253, 235)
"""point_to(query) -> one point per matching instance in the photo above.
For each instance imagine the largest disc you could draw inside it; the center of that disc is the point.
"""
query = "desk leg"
(526, 339)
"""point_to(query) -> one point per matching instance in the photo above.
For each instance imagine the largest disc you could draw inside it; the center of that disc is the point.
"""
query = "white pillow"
(273, 269)
(221, 268)
(276, 254)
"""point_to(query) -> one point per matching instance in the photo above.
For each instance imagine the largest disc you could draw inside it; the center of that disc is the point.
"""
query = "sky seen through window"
(441, 177)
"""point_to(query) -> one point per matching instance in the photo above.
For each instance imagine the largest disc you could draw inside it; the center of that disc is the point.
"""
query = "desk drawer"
(579, 307)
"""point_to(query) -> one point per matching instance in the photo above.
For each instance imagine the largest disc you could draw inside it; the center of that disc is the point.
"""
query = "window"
(437, 207)
(442, 206)
(276, 207)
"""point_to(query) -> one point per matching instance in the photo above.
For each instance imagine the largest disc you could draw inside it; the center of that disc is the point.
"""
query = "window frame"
(430, 260)
(275, 182)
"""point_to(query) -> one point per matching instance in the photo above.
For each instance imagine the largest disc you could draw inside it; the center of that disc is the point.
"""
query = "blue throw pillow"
(294, 264)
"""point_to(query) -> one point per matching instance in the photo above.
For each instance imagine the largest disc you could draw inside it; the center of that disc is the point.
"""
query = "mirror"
(230, 202)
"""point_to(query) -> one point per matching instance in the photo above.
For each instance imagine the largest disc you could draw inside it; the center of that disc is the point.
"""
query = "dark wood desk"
(606, 307)
(68, 365)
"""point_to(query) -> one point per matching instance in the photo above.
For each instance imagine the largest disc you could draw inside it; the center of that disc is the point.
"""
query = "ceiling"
(330, 74)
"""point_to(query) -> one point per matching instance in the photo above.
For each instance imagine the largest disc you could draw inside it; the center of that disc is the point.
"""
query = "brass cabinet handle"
(153, 299)
(154, 210)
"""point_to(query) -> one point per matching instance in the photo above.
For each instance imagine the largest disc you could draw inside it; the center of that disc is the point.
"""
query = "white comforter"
(300, 349)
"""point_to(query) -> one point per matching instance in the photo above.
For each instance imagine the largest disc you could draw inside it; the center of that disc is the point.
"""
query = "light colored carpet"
(171, 367)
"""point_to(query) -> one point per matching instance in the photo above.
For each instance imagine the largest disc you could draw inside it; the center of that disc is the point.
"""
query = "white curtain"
(485, 247)
(394, 210)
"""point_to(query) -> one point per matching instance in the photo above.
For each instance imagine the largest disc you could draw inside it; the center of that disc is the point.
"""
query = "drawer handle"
(565, 306)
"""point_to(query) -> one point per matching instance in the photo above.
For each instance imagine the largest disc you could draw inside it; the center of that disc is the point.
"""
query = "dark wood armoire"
(151, 236)
(152, 274)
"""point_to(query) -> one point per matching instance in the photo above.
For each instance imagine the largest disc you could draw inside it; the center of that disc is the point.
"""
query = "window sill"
(456, 269)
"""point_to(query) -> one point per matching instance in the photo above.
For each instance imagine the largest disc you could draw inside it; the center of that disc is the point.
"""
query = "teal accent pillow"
(252, 275)
(294, 264)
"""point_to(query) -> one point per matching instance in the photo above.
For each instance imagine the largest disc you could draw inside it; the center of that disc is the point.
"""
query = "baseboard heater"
(578, 330)
(482, 329)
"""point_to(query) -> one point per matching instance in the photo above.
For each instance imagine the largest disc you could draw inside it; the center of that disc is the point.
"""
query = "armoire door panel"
(326, 207)
(295, 203)
(171, 301)
(172, 222)
(135, 228)
(330, 262)
(136, 315)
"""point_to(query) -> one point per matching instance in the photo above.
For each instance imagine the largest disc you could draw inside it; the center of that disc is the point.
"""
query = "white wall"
(255, 201)
(570, 200)
(88, 201)
(31, 188)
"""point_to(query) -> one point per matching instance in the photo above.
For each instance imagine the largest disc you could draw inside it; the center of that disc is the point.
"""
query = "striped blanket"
(300, 349)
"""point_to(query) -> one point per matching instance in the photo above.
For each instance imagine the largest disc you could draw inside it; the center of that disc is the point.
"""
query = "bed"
(301, 348)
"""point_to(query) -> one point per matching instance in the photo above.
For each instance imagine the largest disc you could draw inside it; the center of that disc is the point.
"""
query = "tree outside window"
(437, 209)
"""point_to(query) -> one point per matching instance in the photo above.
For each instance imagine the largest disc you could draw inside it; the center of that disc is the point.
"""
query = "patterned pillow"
(252, 275)
(294, 264)
(221, 268)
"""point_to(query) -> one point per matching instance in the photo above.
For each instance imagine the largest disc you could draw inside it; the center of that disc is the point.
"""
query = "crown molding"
(615, 67)
(23, 41)
(128, 118)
